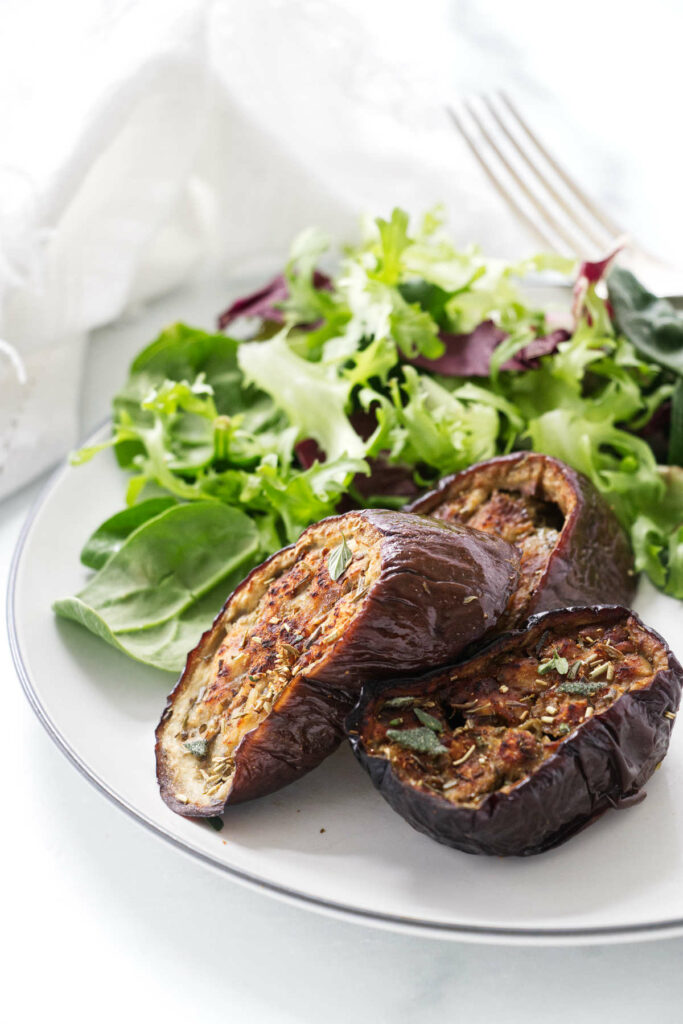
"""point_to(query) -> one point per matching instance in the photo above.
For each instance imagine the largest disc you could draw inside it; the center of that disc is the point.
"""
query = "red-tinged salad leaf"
(386, 485)
(657, 433)
(267, 303)
(590, 273)
(466, 355)
(308, 451)
(527, 358)
(415, 360)
(469, 355)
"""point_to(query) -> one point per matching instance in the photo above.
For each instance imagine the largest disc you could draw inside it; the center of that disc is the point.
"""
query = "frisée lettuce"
(414, 360)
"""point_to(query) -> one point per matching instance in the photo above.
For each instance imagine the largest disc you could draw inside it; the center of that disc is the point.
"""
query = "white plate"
(329, 841)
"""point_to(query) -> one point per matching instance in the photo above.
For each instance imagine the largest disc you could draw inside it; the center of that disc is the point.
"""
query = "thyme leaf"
(581, 688)
(339, 559)
(422, 740)
(398, 702)
(561, 665)
(197, 747)
(428, 720)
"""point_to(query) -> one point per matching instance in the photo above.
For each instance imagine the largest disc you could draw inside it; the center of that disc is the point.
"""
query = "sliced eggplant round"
(365, 595)
(515, 750)
(573, 550)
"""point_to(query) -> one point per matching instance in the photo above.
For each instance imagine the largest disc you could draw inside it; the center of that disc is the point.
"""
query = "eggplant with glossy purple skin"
(515, 750)
(573, 550)
(360, 596)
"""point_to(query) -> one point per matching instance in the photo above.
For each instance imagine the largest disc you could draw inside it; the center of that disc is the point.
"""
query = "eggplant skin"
(438, 588)
(604, 763)
(441, 587)
(305, 726)
(591, 562)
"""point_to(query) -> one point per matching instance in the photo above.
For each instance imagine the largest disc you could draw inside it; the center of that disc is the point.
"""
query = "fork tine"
(507, 196)
(601, 241)
(575, 245)
(578, 193)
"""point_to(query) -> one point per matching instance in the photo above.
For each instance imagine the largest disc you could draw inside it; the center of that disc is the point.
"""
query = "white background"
(105, 922)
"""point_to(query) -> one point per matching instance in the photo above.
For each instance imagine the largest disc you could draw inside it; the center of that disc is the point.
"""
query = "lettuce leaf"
(417, 359)
(312, 395)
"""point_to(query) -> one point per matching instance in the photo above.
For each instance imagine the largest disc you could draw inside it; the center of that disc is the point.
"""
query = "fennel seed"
(461, 760)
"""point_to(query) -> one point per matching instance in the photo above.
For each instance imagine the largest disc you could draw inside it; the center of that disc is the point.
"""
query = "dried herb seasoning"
(421, 740)
(581, 687)
(428, 720)
(339, 559)
(197, 747)
(556, 662)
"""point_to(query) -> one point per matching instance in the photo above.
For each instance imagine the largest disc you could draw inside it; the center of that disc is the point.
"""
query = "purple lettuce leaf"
(469, 355)
(267, 301)
(590, 273)
(384, 478)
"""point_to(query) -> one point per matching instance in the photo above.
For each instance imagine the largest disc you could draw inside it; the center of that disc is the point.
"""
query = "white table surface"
(101, 920)
(101, 914)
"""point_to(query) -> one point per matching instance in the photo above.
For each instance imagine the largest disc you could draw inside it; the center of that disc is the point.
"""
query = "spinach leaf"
(182, 353)
(164, 646)
(109, 537)
(158, 575)
(651, 324)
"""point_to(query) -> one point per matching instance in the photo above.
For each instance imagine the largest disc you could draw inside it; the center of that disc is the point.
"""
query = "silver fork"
(544, 197)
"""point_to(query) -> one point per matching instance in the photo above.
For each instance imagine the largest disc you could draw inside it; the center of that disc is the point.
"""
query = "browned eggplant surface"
(572, 549)
(517, 749)
(361, 596)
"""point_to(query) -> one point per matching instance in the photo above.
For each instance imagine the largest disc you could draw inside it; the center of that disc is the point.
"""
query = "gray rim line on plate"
(433, 929)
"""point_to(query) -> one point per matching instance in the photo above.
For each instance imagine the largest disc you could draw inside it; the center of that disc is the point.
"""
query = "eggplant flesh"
(517, 749)
(264, 695)
(573, 551)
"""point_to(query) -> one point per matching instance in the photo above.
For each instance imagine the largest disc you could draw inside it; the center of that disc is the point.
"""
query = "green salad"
(413, 360)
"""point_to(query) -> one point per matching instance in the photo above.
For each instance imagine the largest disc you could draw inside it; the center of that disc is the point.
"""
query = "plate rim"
(393, 922)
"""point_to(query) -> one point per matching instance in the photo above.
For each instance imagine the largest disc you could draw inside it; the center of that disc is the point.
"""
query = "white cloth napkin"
(147, 141)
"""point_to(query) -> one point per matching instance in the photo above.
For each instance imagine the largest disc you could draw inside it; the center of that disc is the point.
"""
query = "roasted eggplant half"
(517, 749)
(360, 596)
(573, 550)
